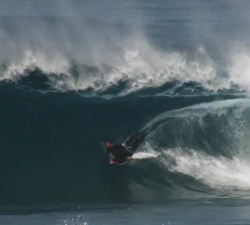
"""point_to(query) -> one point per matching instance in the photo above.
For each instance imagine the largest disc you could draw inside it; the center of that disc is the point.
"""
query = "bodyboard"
(111, 162)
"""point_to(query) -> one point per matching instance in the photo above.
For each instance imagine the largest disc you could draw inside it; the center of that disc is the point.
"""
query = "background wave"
(77, 54)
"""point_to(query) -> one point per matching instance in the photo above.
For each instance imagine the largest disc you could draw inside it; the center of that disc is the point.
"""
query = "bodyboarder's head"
(109, 144)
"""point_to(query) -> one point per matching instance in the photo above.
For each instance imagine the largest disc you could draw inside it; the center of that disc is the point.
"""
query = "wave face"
(51, 147)
(70, 82)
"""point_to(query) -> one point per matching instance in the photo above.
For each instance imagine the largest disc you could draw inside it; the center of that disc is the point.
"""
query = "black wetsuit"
(119, 152)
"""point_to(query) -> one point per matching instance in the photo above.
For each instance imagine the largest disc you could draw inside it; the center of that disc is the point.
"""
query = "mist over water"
(82, 46)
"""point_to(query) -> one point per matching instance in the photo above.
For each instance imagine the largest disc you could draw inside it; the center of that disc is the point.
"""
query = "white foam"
(145, 155)
(145, 66)
(31, 60)
(239, 69)
(138, 63)
(217, 172)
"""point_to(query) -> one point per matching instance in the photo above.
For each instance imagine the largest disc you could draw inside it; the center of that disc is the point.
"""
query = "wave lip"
(138, 66)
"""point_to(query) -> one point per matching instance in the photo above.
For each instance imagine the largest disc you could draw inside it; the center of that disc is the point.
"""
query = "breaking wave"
(68, 89)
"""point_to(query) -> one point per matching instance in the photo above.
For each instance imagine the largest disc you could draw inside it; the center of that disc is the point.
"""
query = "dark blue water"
(74, 74)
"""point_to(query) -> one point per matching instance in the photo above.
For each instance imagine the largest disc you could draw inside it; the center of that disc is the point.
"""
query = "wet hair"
(109, 141)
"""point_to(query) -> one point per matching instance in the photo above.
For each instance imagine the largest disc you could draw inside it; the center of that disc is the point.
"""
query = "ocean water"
(74, 74)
